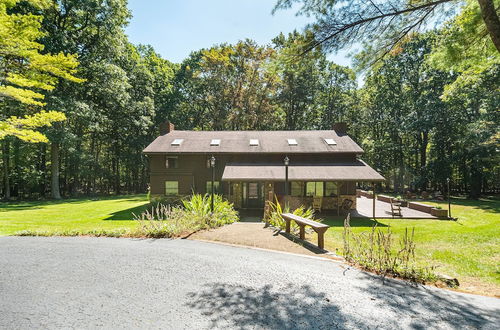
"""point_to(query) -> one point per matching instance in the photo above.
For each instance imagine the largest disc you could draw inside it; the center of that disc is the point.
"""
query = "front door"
(253, 195)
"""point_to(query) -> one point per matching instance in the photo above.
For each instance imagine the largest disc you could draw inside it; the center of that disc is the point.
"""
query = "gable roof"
(239, 142)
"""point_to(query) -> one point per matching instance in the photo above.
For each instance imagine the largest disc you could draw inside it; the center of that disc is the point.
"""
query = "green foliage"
(375, 251)
(194, 214)
(23, 128)
(25, 70)
(274, 217)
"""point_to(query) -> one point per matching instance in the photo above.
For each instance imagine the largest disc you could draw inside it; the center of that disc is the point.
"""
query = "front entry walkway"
(364, 209)
(254, 235)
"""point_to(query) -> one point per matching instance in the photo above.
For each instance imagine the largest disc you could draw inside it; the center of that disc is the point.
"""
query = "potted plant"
(399, 199)
(439, 212)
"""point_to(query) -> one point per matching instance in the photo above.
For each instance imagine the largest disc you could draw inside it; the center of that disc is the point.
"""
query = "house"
(249, 166)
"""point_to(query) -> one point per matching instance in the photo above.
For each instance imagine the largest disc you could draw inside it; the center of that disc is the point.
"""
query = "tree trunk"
(491, 21)
(6, 168)
(423, 159)
(54, 167)
(43, 169)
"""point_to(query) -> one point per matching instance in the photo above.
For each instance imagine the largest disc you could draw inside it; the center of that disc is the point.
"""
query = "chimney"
(166, 127)
(340, 128)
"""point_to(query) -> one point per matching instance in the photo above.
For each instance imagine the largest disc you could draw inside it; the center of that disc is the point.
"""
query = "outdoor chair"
(346, 205)
(395, 208)
(317, 203)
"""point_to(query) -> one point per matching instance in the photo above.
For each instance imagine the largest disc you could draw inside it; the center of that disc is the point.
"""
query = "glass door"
(254, 197)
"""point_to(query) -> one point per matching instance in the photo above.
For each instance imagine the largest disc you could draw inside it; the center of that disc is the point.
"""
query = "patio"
(364, 209)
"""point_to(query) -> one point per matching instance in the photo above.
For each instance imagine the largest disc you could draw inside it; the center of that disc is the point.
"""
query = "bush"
(191, 215)
(375, 251)
(275, 219)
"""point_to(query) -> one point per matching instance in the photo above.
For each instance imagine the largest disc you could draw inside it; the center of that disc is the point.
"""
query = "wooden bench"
(318, 227)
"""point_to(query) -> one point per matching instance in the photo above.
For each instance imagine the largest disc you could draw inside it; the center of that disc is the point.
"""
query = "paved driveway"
(126, 283)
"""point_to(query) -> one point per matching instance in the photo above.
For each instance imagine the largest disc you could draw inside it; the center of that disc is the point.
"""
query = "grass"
(468, 249)
(111, 215)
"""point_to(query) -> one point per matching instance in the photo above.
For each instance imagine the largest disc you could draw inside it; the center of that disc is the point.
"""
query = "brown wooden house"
(249, 165)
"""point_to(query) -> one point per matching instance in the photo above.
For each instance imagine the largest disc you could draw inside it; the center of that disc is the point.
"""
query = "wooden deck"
(364, 209)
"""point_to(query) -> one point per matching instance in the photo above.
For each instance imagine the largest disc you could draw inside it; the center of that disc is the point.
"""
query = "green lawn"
(468, 249)
(82, 214)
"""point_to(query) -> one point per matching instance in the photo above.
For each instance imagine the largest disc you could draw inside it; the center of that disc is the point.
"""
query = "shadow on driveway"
(245, 307)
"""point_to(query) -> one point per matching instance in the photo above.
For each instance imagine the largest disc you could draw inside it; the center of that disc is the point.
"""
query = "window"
(215, 142)
(171, 188)
(254, 142)
(331, 189)
(314, 189)
(330, 142)
(292, 142)
(171, 162)
(297, 188)
(177, 142)
(216, 187)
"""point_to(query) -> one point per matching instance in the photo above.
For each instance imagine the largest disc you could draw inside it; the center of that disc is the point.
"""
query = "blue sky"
(177, 27)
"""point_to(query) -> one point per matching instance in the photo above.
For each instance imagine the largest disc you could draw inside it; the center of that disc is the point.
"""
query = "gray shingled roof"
(239, 142)
(356, 171)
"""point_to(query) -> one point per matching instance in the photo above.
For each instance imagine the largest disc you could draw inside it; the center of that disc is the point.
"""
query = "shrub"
(375, 251)
(191, 215)
(275, 219)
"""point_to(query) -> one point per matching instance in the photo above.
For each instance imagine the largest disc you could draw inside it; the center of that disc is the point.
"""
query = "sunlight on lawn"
(468, 249)
(72, 214)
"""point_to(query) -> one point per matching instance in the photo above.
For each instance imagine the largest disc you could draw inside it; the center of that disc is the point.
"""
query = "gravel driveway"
(126, 283)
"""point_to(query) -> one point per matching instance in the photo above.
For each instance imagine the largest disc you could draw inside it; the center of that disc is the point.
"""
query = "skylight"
(177, 142)
(330, 142)
(254, 142)
(292, 142)
(215, 142)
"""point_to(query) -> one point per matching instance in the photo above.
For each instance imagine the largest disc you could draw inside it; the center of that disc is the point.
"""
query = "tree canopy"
(25, 70)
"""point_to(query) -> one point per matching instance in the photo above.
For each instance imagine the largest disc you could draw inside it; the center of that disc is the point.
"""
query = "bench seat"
(318, 227)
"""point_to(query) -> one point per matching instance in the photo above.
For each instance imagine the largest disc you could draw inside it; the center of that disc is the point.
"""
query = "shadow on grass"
(128, 214)
(487, 204)
(244, 307)
(338, 221)
(38, 204)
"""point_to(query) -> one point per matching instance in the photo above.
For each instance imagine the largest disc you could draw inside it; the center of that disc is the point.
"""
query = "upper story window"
(330, 142)
(292, 142)
(215, 142)
(177, 142)
(171, 162)
(254, 142)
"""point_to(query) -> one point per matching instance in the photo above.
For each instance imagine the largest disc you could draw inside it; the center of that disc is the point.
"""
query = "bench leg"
(287, 229)
(321, 240)
(302, 232)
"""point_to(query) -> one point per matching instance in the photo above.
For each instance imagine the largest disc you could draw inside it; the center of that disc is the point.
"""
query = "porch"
(330, 185)
(364, 209)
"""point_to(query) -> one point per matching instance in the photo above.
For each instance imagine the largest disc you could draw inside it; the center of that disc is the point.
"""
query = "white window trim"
(254, 142)
(177, 142)
(330, 142)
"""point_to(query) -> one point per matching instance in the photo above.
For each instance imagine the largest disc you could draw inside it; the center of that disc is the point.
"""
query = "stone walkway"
(364, 209)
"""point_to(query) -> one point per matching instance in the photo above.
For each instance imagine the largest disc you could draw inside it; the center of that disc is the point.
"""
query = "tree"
(384, 24)
(24, 70)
